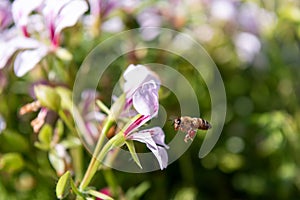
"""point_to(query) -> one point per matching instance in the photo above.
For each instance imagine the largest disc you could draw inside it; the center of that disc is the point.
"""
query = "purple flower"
(141, 87)
(57, 15)
(100, 8)
(90, 116)
(150, 17)
(247, 46)
(5, 14)
(21, 9)
(154, 139)
(2, 124)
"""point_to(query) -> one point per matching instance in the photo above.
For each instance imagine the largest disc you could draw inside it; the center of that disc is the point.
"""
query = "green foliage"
(257, 155)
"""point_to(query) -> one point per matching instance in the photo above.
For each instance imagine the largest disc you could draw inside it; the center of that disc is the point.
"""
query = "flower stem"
(99, 152)
(95, 163)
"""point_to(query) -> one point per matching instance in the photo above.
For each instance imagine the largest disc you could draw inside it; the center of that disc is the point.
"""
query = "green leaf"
(59, 128)
(11, 162)
(41, 146)
(99, 195)
(11, 141)
(132, 151)
(66, 97)
(63, 185)
(45, 135)
(71, 142)
(137, 192)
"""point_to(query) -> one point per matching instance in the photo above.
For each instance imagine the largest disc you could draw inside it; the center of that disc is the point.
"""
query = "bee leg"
(189, 136)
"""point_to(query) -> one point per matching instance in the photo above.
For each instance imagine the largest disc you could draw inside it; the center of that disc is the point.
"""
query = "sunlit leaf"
(63, 185)
(11, 162)
(132, 151)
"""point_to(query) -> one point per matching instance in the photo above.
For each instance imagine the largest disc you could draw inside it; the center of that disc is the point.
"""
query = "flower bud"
(48, 97)
(63, 54)
(63, 185)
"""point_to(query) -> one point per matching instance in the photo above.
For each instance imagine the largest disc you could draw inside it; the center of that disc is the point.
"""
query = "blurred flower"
(2, 124)
(99, 11)
(60, 159)
(3, 81)
(105, 191)
(223, 10)
(130, 5)
(255, 19)
(57, 15)
(91, 116)
(150, 17)
(39, 121)
(247, 45)
(47, 101)
(113, 25)
(21, 9)
(5, 14)
(102, 8)
(176, 11)
(154, 139)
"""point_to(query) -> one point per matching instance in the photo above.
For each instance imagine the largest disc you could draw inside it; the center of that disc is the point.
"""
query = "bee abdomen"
(203, 124)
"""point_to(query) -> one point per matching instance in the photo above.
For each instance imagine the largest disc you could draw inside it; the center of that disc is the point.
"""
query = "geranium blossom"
(91, 116)
(5, 14)
(154, 139)
(141, 87)
(57, 15)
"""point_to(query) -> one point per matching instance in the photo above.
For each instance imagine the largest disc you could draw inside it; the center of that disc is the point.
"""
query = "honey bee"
(190, 125)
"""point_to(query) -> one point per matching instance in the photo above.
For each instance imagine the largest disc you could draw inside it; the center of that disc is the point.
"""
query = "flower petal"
(22, 8)
(70, 14)
(159, 152)
(136, 124)
(158, 136)
(5, 14)
(145, 99)
(135, 76)
(28, 59)
(7, 49)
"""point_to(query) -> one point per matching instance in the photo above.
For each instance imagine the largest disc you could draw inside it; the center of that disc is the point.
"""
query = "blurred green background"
(256, 47)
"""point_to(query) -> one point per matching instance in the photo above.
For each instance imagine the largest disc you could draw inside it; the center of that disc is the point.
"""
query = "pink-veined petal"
(28, 59)
(5, 14)
(135, 76)
(7, 49)
(22, 8)
(136, 124)
(159, 152)
(145, 99)
(158, 136)
(70, 14)
(53, 7)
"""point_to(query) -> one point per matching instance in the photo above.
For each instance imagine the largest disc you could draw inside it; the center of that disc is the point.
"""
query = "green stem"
(103, 107)
(69, 124)
(77, 158)
(95, 163)
(111, 180)
(99, 153)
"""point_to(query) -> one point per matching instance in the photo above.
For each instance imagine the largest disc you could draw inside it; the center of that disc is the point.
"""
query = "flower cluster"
(40, 32)
(142, 93)
(141, 104)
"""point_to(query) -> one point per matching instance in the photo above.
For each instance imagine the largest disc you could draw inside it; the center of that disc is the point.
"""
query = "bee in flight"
(190, 125)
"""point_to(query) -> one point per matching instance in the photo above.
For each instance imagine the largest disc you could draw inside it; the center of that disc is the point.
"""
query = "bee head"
(176, 123)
